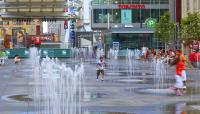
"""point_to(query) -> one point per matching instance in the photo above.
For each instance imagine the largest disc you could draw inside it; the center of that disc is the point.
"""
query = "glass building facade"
(94, 2)
(108, 14)
(138, 16)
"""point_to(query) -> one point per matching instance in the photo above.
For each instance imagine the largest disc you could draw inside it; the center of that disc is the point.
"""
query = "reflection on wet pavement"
(126, 90)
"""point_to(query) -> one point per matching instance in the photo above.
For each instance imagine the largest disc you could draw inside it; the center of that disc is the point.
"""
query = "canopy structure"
(38, 9)
(132, 30)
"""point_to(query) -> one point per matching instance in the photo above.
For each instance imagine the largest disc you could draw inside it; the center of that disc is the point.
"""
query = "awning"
(131, 30)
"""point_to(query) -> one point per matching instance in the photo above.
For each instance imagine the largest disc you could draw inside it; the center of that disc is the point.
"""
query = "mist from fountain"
(112, 56)
(137, 53)
(130, 55)
(161, 75)
(82, 54)
(58, 89)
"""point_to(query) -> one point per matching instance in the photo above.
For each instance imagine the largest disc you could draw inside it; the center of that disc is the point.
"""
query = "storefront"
(127, 20)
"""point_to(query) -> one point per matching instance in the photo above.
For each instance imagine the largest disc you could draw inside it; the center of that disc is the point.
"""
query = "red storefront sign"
(44, 38)
(131, 6)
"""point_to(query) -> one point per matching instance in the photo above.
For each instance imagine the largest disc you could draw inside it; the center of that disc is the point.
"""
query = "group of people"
(170, 57)
(4, 57)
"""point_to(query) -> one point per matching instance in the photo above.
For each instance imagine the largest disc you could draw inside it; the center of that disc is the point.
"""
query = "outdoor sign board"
(126, 16)
(116, 45)
(131, 6)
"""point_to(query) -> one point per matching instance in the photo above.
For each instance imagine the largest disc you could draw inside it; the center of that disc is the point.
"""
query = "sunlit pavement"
(139, 88)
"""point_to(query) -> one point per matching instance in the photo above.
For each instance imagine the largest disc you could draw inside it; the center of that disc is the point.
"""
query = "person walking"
(180, 76)
(100, 68)
(183, 61)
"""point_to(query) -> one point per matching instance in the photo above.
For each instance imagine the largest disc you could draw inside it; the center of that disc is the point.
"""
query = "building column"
(172, 9)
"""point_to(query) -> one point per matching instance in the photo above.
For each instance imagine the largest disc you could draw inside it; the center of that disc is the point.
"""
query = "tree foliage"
(165, 29)
(190, 28)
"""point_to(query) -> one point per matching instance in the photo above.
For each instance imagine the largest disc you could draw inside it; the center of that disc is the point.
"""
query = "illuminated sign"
(131, 6)
(150, 23)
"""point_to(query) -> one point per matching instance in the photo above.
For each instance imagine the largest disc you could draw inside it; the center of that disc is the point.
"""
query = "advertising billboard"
(126, 16)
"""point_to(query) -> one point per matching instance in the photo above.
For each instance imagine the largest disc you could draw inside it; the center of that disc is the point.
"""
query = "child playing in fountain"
(17, 59)
(100, 68)
(180, 72)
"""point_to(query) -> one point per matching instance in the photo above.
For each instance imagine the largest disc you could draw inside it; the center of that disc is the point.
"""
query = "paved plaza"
(139, 88)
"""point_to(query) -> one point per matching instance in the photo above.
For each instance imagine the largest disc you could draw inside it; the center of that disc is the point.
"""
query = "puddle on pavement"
(183, 108)
(107, 113)
(177, 108)
(89, 96)
(24, 98)
(167, 91)
(84, 113)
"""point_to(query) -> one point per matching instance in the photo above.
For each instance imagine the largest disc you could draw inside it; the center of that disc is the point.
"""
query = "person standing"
(100, 68)
(192, 58)
(37, 41)
(144, 52)
(20, 39)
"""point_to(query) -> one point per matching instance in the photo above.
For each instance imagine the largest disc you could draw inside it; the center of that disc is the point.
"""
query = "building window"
(163, 11)
(126, 1)
(94, 2)
(188, 5)
(135, 1)
(145, 14)
(116, 16)
(100, 15)
(105, 15)
(136, 16)
(97, 15)
(155, 14)
(116, 1)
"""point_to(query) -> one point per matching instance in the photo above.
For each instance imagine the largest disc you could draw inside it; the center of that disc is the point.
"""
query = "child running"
(100, 68)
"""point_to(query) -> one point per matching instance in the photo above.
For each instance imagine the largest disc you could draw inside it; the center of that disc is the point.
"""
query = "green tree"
(165, 29)
(190, 28)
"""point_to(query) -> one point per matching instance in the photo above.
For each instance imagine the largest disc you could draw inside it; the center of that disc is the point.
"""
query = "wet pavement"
(140, 88)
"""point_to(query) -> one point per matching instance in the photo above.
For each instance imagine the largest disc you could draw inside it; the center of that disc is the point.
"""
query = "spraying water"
(58, 88)
(130, 61)
(82, 54)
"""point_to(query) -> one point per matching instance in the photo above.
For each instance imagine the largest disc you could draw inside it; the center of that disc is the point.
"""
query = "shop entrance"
(133, 40)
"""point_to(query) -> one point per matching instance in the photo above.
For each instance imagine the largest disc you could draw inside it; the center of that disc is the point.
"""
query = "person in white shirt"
(144, 53)
(100, 68)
